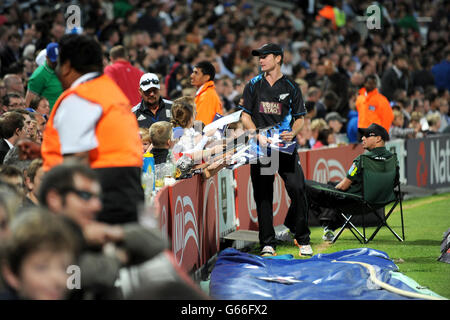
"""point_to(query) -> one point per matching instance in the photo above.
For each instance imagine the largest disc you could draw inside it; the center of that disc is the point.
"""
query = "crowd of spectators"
(408, 54)
(336, 60)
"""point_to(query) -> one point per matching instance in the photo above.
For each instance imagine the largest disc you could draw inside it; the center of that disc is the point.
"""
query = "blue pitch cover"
(242, 276)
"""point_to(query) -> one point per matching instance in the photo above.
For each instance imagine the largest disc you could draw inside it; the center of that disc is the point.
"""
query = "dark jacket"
(4, 148)
(391, 82)
(339, 84)
(146, 118)
(160, 155)
(99, 271)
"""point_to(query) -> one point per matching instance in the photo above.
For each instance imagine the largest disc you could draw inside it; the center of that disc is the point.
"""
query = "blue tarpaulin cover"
(242, 276)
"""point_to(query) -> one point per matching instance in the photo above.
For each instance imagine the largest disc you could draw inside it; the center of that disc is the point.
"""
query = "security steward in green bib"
(373, 141)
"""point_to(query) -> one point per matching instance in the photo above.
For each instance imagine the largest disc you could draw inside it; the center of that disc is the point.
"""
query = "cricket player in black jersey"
(272, 99)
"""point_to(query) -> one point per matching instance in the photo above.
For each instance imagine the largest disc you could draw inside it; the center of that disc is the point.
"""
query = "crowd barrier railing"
(194, 214)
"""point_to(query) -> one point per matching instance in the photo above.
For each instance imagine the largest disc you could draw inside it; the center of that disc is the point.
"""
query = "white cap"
(149, 80)
(41, 57)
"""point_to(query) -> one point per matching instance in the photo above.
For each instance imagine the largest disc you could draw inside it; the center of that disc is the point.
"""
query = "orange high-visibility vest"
(117, 132)
(373, 107)
(207, 103)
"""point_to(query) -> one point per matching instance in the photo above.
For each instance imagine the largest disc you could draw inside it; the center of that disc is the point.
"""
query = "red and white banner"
(185, 214)
(190, 212)
(330, 164)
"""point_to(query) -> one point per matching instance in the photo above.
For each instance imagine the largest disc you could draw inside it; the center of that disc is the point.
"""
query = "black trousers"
(122, 194)
(326, 205)
(263, 175)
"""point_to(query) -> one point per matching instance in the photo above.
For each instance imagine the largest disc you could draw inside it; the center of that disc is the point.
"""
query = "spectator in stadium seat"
(13, 83)
(44, 81)
(337, 83)
(336, 122)
(33, 176)
(14, 176)
(316, 126)
(187, 134)
(357, 80)
(153, 107)
(10, 203)
(397, 130)
(73, 190)
(444, 113)
(12, 129)
(161, 136)
(434, 123)
(145, 139)
(330, 101)
(29, 122)
(352, 124)
(41, 106)
(40, 248)
(207, 101)
(313, 95)
(415, 123)
(124, 74)
(326, 137)
(395, 77)
(12, 101)
(10, 53)
(2, 92)
(441, 72)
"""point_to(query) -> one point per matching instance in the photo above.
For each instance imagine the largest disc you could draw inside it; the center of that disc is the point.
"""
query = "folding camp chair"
(380, 187)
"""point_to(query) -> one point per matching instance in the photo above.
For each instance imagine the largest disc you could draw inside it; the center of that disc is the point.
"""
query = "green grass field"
(426, 219)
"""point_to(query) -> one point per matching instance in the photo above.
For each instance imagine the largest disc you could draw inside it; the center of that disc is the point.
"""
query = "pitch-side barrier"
(195, 214)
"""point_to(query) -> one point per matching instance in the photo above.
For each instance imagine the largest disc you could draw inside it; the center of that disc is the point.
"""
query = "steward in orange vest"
(92, 121)
(373, 107)
(207, 101)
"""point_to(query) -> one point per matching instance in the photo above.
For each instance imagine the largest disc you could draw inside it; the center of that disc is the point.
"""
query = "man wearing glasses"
(12, 101)
(110, 254)
(373, 140)
(153, 107)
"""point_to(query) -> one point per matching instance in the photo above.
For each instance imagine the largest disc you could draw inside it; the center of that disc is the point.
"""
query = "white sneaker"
(268, 251)
(328, 235)
(304, 250)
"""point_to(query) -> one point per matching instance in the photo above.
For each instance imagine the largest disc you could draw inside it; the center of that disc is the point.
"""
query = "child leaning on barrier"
(161, 137)
(145, 139)
(191, 142)
(36, 256)
(397, 130)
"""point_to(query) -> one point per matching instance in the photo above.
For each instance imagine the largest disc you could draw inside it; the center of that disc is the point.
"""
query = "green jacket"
(354, 173)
